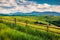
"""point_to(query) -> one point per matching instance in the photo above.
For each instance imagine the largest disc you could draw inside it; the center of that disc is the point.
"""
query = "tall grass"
(33, 31)
(10, 34)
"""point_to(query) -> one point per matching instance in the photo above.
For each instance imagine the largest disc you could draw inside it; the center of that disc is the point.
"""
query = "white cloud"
(12, 6)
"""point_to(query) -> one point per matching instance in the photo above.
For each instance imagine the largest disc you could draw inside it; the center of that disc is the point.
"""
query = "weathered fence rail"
(26, 22)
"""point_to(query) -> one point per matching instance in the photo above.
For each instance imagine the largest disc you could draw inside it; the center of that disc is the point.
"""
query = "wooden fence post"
(15, 21)
(47, 27)
(26, 23)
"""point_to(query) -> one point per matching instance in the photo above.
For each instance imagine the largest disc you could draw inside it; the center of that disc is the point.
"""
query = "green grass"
(11, 34)
(10, 31)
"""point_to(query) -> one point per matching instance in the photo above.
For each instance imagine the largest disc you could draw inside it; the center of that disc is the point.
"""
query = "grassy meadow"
(29, 27)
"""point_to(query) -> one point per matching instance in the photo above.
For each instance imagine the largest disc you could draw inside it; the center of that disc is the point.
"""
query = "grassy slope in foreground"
(23, 27)
(11, 34)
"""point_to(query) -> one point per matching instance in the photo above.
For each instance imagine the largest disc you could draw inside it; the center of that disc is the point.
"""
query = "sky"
(52, 2)
(28, 6)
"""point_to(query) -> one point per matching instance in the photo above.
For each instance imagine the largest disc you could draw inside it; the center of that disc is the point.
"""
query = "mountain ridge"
(33, 13)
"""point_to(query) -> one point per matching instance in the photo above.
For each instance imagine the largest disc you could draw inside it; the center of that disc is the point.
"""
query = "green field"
(29, 27)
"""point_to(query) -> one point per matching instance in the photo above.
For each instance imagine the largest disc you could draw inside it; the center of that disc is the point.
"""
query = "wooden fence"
(47, 26)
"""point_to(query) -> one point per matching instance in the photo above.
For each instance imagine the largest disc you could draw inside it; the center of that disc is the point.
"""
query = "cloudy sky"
(28, 6)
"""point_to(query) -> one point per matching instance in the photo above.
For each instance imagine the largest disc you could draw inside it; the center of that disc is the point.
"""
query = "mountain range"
(33, 14)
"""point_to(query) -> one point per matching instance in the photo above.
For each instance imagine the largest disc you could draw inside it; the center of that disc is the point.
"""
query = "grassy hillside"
(29, 28)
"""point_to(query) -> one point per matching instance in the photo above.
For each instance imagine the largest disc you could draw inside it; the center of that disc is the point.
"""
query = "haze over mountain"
(33, 14)
(38, 13)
